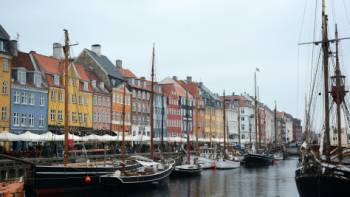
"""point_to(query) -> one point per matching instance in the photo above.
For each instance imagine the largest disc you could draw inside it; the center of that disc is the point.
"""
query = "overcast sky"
(219, 42)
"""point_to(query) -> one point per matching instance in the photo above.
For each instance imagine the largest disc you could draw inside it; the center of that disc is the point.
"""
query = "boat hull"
(49, 179)
(112, 180)
(257, 160)
(187, 171)
(320, 184)
(227, 165)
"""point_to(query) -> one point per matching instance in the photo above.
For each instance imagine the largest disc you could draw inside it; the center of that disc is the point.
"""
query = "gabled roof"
(3, 34)
(82, 72)
(48, 65)
(106, 64)
(23, 60)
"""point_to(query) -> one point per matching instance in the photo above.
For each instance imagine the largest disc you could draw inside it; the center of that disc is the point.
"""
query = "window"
(74, 116)
(242, 127)
(242, 118)
(41, 120)
(242, 111)
(21, 76)
(16, 97)
(95, 100)
(86, 118)
(31, 120)
(60, 96)
(37, 80)
(56, 80)
(24, 98)
(24, 119)
(4, 88)
(2, 46)
(74, 98)
(52, 115)
(5, 65)
(15, 119)
(53, 95)
(42, 100)
(60, 117)
(3, 113)
(73, 82)
(31, 99)
(86, 87)
(80, 117)
(80, 100)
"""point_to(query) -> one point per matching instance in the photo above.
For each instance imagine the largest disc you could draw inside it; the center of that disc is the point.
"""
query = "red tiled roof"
(23, 60)
(82, 72)
(49, 65)
(127, 73)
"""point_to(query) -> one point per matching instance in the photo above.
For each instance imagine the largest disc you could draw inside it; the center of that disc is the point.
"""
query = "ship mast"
(197, 120)
(151, 103)
(325, 50)
(275, 122)
(123, 125)
(338, 92)
(256, 110)
(187, 128)
(224, 119)
(66, 97)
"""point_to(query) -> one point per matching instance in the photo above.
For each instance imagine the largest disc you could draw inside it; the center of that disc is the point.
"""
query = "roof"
(82, 72)
(23, 60)
(106, 64)
(93, 77)
(127, 73)
(3, 34)
(49, 65)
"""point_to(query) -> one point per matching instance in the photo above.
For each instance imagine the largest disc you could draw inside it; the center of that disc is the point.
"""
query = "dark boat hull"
(187, 172)
(325, 180)
(257, 160)
(110, 180)
(60, 178)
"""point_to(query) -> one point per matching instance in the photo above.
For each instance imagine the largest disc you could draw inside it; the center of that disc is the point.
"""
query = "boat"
(12, 188)
(188, 168)
(222, 162)
(325, 170)
(253, 158)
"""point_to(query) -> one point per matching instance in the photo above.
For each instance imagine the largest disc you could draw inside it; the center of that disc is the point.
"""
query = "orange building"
(117, 108)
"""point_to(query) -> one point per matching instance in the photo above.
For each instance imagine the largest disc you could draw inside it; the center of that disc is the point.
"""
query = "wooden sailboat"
(321, 173)
(189, 168)
(278, 153)
(254, 158)
(223, 163)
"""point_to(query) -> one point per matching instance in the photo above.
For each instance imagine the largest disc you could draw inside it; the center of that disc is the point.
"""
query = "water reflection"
(276, 180)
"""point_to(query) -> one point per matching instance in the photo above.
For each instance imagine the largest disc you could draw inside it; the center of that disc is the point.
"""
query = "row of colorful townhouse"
(33, 95)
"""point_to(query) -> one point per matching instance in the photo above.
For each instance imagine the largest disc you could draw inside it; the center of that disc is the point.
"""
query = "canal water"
(270, 181)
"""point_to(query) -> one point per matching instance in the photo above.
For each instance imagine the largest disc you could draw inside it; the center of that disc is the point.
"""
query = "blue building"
(160, 112)
(28, 96)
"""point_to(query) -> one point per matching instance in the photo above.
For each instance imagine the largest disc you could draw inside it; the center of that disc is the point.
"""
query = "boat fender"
(87, 179)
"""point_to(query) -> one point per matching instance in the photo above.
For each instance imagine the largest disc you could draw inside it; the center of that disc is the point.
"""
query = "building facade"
(29, 96)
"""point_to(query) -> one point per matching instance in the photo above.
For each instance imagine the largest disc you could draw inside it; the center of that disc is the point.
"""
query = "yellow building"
(8, 49)
(79, 95)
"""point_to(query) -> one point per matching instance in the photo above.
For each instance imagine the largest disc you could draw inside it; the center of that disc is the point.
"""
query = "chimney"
(175, 78)
(233, 93)
(13, 47)
(143, 78)
(189, 79)
(57, 50)
(93, 83)
(96, 48)
(119, 63)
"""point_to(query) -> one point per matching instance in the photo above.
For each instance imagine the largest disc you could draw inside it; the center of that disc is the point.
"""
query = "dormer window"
(56, 80)
(2, 45)
(37, 80)
(22, 77)
(85, 86)
(93, 83)
(102, 85)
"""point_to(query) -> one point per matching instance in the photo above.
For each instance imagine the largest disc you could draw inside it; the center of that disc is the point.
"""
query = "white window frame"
(24, 99)
(42, 100)
(15, 119)
(31, 120)
(24, 120)
(17, 97)
(4, 88)
(5, 64)
(52, 115)
(60, 115)
(41, 120)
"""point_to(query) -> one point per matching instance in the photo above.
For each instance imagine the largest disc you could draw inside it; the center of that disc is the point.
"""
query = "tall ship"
(324, 170)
